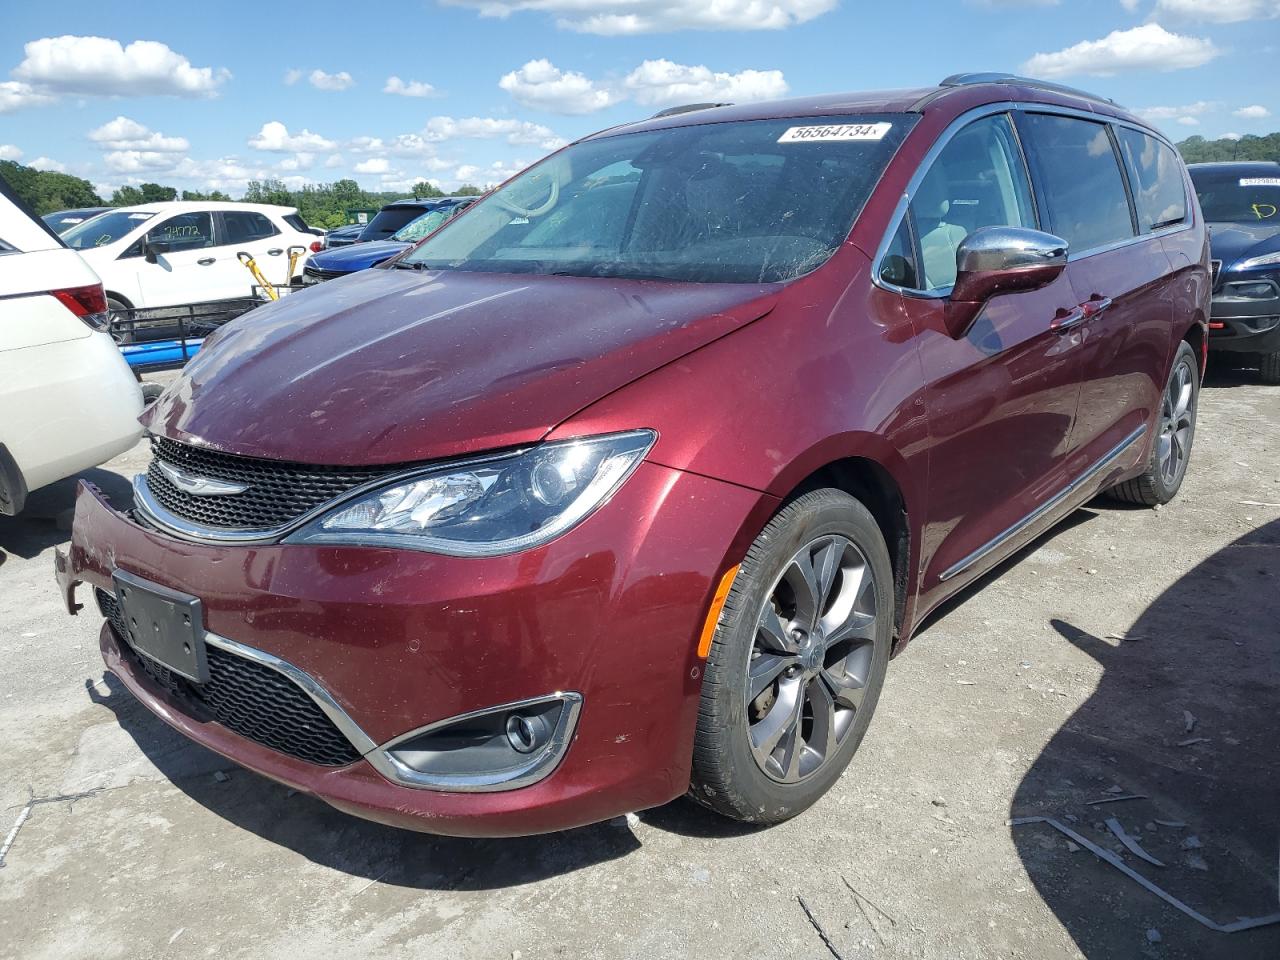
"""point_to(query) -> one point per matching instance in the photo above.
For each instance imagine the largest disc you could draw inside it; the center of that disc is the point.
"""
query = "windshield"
(103, 229)
(742, 202)
(1233, 197)
(388, 221)
(426, 223)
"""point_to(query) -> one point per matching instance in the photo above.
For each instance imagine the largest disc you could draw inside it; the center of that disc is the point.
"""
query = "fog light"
(499, 748)
(527, 733)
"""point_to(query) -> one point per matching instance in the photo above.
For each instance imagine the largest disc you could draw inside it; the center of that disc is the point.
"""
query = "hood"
(357, 256)
(393, 366)
(1238, 241)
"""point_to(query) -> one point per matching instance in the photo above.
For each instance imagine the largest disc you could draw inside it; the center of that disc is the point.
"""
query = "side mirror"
(996, 260)
(151, 249)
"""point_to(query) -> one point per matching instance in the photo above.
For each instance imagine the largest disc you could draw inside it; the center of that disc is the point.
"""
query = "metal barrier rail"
(159, 338)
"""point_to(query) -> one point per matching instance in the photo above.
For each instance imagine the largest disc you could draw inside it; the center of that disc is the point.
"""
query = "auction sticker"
(836, 131)
(1250, 181)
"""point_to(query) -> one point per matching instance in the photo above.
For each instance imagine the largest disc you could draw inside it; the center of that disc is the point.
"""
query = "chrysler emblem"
(199, 486)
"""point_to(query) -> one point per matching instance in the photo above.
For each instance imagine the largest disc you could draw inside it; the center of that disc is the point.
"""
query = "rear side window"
(244, 227)
(186, 231)
(1083, 187)
(295, 220)
(1159, 192)
(977, 180)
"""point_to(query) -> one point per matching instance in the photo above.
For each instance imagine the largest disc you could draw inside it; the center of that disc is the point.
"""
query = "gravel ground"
(1127, 652)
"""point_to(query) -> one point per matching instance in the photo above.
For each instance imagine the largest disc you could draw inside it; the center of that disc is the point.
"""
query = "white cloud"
(1199, 108)
(659, 16)
(1130, 5)
(44, 163)
(335, 160)
(409, 88)
(658, 82)
(15, 96)
(291, 77)
(544, 86)
(299, 161)
(274, 136)
(515, 132)
(137, 161)
(9, 152)
(1189, 121)
(495, 173)
(330, 81)
(101, 67)
(123, 133)
(1217, 11)
(1148, 47)
(373, 165)
(1255, 112)
(1230, 136)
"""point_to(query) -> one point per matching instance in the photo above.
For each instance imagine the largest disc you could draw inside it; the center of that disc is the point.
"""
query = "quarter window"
(899, 264)
(186, 231)
(1159, 191)
(1083, 187)
(977, 180)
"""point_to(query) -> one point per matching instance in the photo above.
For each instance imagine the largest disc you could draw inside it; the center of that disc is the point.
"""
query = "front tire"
(797, 661)
(1176, 431)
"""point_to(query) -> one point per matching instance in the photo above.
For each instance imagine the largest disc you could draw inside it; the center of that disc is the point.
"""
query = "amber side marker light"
(713, 614)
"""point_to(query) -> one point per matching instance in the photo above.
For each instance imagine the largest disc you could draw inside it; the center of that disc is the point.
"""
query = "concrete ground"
(1130, 652)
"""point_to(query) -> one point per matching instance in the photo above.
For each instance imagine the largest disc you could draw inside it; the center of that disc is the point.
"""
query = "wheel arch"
(876, 487)
(119, 296)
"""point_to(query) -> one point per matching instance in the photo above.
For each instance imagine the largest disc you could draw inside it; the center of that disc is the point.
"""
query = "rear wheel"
(118, 320)
(797, 661)
(1270, 364)
(1175, 433)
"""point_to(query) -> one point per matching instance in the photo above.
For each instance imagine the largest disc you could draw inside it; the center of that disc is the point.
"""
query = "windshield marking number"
(836, 131)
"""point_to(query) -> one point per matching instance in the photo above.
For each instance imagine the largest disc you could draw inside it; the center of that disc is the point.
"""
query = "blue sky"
(211, 95)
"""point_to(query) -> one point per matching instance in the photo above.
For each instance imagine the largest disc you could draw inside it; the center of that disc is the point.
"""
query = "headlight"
(1266, 260)
(488, 507)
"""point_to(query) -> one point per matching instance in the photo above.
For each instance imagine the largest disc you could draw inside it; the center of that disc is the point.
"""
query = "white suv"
(166, 254)
(68, 400)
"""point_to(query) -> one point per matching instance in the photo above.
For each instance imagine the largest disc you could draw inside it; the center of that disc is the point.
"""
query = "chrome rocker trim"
(539, 765)
(1045, 508)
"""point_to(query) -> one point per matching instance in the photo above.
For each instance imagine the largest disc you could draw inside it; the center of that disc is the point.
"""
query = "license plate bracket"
(163, 624)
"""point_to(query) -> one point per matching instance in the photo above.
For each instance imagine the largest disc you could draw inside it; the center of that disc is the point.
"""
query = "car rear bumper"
(399, 640)
(1246, 324)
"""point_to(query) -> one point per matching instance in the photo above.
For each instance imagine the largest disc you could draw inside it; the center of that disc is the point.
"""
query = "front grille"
(247, 698)
(279, 491)
(320, 273)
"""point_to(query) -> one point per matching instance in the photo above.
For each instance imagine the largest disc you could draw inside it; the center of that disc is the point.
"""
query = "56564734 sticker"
(836, 131)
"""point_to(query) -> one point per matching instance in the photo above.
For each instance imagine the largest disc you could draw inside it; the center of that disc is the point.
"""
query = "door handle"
(205, 261)
(275, 251)
(1066, 320)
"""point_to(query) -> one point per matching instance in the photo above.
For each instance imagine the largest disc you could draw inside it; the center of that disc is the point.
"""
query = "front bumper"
(400, 640)
(1246, 324)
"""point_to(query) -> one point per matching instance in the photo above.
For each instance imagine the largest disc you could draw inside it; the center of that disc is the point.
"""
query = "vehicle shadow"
(342, 842)
(1185, 719)
(45, 520)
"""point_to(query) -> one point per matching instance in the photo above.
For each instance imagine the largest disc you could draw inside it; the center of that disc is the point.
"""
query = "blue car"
(1241, 205)
(426, 216)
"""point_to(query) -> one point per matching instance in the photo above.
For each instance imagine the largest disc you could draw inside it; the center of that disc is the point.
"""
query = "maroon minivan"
(629, 482)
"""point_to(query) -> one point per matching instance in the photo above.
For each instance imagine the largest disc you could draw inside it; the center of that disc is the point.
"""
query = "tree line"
(321, 205)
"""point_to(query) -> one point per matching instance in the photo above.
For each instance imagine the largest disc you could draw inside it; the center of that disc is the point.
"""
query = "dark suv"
(629, 482)
(1241, 204)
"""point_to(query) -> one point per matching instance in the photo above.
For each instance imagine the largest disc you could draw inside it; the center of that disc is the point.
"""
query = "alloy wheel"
(811, 658)
(1177, 421)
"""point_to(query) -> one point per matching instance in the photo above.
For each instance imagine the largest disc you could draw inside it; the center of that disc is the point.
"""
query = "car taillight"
(88, 303)
(316, 246)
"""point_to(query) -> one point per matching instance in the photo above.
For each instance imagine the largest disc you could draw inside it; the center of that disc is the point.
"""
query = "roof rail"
(966, 79)
(687, 108)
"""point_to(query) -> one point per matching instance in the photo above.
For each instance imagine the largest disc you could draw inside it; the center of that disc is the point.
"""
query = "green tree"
(1199, 150)
(46, 191)
(423, 190)
(468, 190)
(127, 196)
(154, 193)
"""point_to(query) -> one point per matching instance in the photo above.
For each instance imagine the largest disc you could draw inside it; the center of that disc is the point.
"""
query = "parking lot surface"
(1129, 653)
